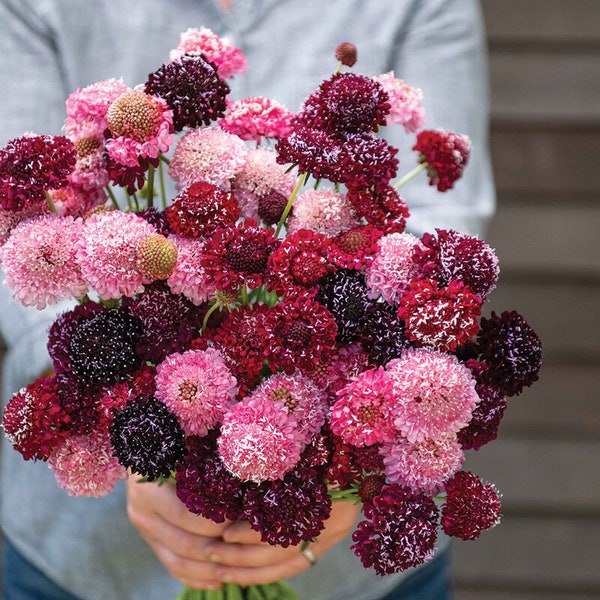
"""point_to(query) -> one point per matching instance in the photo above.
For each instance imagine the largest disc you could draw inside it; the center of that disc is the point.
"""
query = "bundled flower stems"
(271, 339)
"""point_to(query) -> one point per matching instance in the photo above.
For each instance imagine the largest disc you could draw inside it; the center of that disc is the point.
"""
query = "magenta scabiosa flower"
(381, 206)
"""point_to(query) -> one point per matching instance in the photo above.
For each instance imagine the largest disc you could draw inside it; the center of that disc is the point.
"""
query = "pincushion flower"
(197, 387)
(471, 506)
(39, 260)
(141, 127)
(30, 166)
(380, 206)
(254, 118)
(443, 318)
(434, 394)
(84, 465)
(382, 334)
(229, 60)
(9, 219)
(207, 154)
(354, 248)
(77, 201)
(405, 102)
(108, 256)
(362, 414)
(445, 155)
(260, 440)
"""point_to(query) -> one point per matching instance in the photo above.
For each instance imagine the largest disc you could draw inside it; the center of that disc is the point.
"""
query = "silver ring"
(310, 556)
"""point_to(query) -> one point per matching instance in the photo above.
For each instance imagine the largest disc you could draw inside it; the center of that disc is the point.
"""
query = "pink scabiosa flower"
(230, 60)
(39, 260)
(189, 277)
(425, 466)
(9, 219)
(108, 257)
(32, 164)
(345, 364)
(392, 269)
(197, 387)
(322, 211)
(355, 248)
(141, 127)
(207, 154)
(405, 102)
(434, 394)
(443, 318)
(259, 440)
(381, 206)
(192, 88)
(362, 413)
(399, 531)
(84, 465)
(76, 201)
(257, 117)
(445, 154)
(471, 506)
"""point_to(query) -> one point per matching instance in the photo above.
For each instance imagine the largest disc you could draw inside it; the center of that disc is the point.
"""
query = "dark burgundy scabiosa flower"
(271, 206)
(204, 485)
(147, 438)
(355, 248)
(346, 53)
(511, 350)
(400, 531)
(81, 402)
(380, 206)
(34, 421)
(157, 218)
(31, 165)
(370, 487)
(442, 318)
(300, 334)
(345, 294)
(471, 506)
(192, 88)
(237, 255)
(446, 154)
(450, 254)
(200, 209)
(131, 178)
(342, 469)
(290, 510)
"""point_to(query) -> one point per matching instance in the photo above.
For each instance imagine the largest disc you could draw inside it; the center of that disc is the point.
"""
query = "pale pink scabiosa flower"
(90, 172)
(197, 387)
(207, 154)
(323, 211)
(363, 413)
(189, 277)
(434, 394)
(392, 269)
(257, 117)
(84, 465)
(108, 256)
(423, 466)
(75, 201)
(230, 60)
(9, 219)
(259, 440)
(405, 101)
(141, 126)
(39, 260)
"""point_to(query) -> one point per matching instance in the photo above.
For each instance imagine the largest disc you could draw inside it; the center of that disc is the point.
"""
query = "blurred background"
(545, 76)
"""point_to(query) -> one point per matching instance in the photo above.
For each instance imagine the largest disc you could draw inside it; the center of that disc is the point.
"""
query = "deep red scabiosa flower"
(81, 402)
(299, 263)
(131, 178)
(32, 164)
(83, 465)
(370, 487)
(204, 485)
(156, 218)
(399, 531)
(257, 117)
(405, 102)
(446, 155)
(290, 510)
(34, 421)
(260, 440)
(200, 209)
(450, 254)
(381, 206)
(436, 317)
(229, 60)
(39, 260)
(342, 469)
(471, 506)
(147, 438)
(197, 387)
(207, 154)
(511, 350)
(300, 334)
(192, 88)
(239, 255)
(434, 394)
(362, 413)
(346, 53)
(355, 248)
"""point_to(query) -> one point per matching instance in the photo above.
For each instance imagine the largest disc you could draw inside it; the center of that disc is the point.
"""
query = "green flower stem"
(161, 179)
(411, 174)
(210, 311)
(50, 202)
(112, 197)
(150, 186)
(288, 207)
(277, 590)
(164, 159)
(244, 294)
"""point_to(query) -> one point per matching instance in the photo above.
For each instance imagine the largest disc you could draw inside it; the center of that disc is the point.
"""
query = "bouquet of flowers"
(271, 339)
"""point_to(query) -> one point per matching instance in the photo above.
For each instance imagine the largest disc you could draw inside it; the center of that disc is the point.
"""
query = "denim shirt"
(48, 48)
